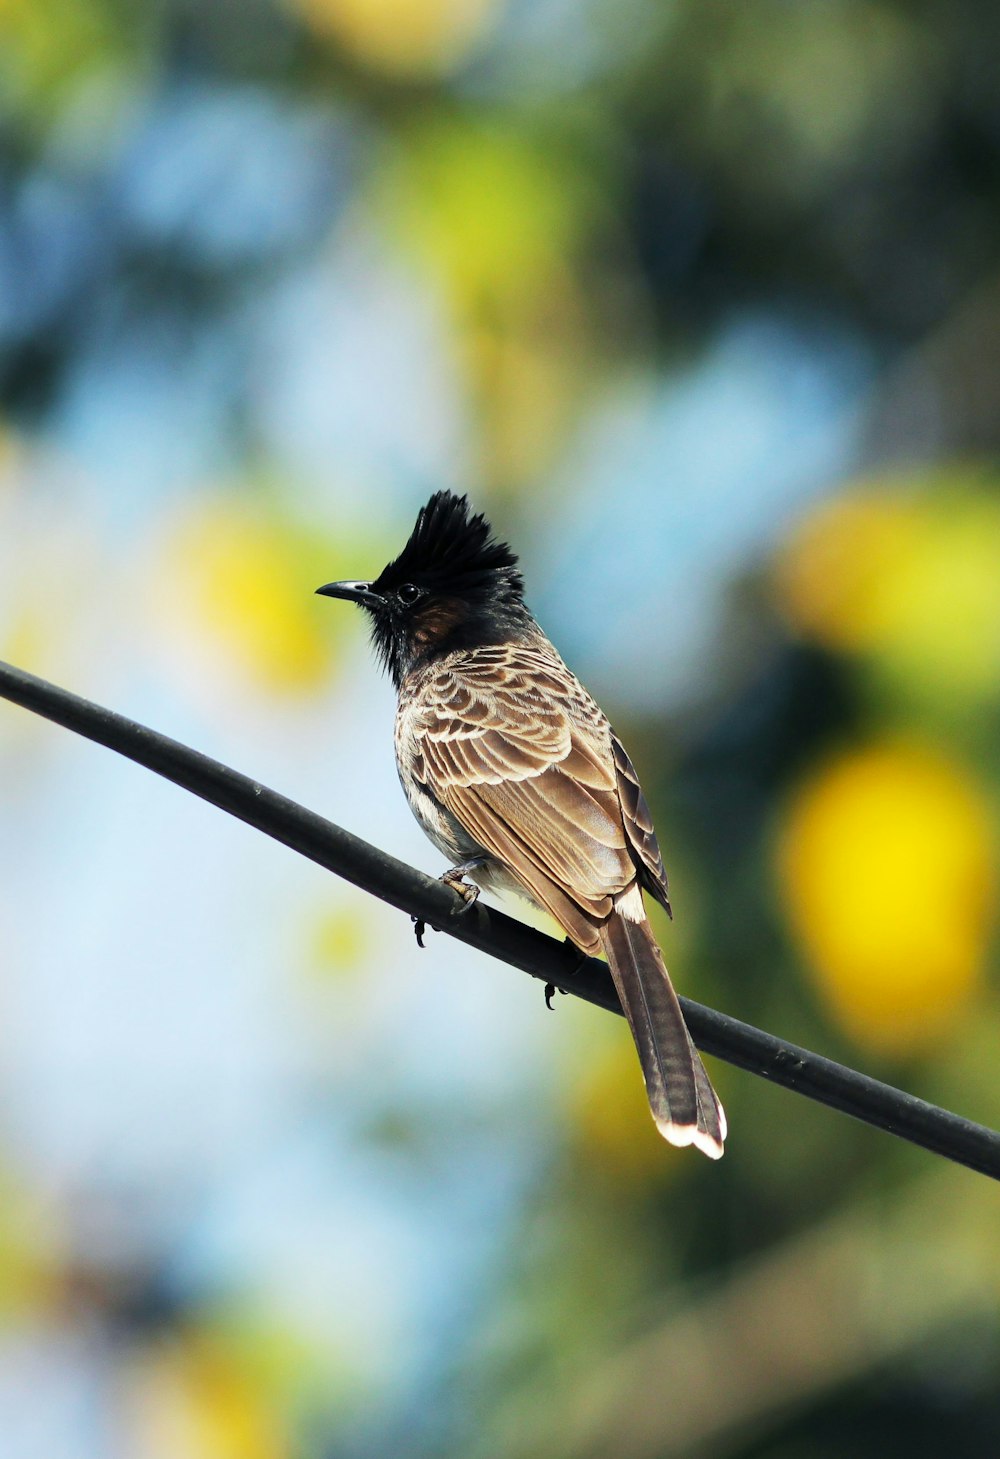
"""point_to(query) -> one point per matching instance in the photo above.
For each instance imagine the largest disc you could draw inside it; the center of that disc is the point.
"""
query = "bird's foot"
(550, 988)
(581, 956)
(454, 877)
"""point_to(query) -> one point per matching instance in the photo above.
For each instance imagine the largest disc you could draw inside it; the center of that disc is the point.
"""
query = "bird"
(518, 778)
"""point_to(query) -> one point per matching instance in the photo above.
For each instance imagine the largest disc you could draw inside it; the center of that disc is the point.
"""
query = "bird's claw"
(420, 926)
(454, 877)
(581, 957)
(466, 890)
(550, 988)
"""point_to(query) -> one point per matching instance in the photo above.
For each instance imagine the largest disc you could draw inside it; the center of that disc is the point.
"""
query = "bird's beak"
(353, 592)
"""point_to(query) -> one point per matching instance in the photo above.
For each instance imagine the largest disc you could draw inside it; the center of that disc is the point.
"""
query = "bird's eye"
(408, 593)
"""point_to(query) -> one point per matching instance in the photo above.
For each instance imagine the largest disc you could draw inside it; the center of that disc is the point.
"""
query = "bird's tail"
(683, 1103)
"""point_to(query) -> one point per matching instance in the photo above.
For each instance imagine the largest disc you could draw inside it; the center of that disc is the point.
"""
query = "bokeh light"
(402, 37)
(888, 867)
(908, 575)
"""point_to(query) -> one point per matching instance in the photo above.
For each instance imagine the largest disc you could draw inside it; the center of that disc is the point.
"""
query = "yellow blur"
(910, 579)
(246, 580)
(402, 37)
(888, 868)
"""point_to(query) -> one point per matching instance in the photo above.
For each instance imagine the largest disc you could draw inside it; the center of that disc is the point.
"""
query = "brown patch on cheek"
(435, 622)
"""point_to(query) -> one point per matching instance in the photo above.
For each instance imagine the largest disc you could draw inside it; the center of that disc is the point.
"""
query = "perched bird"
(518, 778)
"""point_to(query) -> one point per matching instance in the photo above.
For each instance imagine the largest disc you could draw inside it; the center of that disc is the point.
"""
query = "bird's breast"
(437, 823)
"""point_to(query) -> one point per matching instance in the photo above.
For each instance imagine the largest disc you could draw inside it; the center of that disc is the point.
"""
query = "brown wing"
(513, 746)
(639, 828)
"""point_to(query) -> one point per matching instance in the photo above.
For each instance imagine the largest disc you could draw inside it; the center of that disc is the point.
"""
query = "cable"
(501, 936)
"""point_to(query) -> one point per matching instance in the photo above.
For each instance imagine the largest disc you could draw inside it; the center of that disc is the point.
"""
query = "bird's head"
(452, 586)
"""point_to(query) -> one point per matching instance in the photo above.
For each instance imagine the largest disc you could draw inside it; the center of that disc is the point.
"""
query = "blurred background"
(700, 301)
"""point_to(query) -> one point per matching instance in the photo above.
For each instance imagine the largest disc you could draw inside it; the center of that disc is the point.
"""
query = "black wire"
(503, 937)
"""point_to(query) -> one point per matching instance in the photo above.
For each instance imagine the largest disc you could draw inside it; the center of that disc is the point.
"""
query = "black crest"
(452, 549)
(453, 586)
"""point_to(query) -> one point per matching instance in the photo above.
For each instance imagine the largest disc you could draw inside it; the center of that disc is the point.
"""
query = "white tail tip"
(682, 1135)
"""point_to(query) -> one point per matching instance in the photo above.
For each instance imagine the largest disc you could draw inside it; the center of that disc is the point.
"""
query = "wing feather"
(580, 918)
(522, 758)
(639, 827)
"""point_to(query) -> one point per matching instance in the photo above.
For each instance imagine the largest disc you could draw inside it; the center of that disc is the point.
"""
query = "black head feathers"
(452, 549)
(453, 587)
